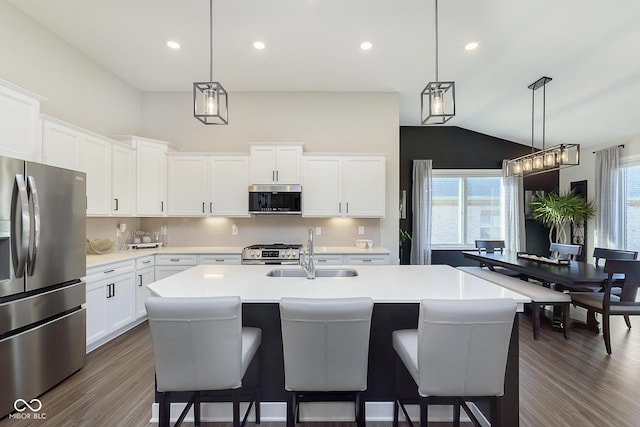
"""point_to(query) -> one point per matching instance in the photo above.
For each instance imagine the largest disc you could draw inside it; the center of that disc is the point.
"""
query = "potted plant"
(404, 237)
(555, 210)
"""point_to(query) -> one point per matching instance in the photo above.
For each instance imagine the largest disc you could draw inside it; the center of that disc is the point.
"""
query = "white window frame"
(626, 162)
(469, 173)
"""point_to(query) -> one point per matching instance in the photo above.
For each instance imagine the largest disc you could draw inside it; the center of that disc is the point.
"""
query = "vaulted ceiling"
(588, 47)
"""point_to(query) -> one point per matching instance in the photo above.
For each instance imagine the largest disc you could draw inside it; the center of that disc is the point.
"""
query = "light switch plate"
(318, 231)
(234, 230)
(361, 230)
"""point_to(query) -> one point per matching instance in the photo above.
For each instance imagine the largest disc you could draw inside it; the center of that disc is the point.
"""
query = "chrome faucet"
(307, 264)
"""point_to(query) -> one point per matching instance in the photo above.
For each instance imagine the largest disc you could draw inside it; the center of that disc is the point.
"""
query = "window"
(466, 205)
(631, 195)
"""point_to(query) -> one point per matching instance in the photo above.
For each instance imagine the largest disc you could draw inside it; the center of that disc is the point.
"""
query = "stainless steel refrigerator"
(42, 261)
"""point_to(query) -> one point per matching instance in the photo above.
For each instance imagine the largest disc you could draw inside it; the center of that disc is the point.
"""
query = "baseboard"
(312, 412)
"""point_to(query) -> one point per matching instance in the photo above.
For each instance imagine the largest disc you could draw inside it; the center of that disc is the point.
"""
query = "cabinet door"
(96, 306)
(288, 164)
(122, 179)
(121, 303)
(60, 146)
(364, 183)
(95, 161)
(143, 278)
(263, 165)
(20, 128)
(228, 183)
(187, 186)
(151, 178)
(322, 187)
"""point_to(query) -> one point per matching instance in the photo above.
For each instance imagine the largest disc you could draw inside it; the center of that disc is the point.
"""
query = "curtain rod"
(619, 146)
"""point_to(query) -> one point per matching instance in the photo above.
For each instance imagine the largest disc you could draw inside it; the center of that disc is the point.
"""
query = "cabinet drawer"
(367, 259)
(176, 259)
(329, 259)
(229, 259)
(108, 271)
(147, 261)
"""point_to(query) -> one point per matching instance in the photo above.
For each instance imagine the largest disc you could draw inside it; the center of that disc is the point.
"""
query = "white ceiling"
(589, 48)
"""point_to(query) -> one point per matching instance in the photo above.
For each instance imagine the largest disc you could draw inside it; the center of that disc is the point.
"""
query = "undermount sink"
(325, 272)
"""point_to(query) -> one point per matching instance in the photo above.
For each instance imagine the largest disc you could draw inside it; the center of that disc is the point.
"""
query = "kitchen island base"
(386, 318)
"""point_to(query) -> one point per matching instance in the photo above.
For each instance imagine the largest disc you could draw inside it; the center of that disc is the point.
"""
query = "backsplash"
(215, 231)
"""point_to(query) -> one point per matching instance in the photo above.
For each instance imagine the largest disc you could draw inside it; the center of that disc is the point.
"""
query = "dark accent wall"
(451, 147)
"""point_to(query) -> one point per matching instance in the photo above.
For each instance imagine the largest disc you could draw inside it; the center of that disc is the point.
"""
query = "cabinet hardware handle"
(161, 206)
(347, 207)
(367, 260)
(146, 262)
(116, 208)
(210, 207)
(140, 277)
(321, 260)
(340, 207)
(174, 259)
(277, 176)
(219, 260)
(113, 286)
(273, 175)
(202, 207)
(109, 291)
(109, 271)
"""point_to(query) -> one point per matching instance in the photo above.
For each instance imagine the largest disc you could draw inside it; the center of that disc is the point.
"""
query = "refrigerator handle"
(20, 254)
(32, 191)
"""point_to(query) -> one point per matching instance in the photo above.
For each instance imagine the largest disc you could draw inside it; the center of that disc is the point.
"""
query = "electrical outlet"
(361, 230)
(318, 231)
(234, 230)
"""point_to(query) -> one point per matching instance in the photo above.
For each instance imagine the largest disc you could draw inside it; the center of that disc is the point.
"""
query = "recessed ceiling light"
(173, 44)
(259, 45)
(471, 46)
(366, 45)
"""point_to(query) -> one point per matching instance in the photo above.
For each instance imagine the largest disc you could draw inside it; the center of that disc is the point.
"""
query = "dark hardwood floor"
(562, 383)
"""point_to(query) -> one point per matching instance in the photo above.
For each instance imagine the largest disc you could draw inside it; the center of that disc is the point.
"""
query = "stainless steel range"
(273, 253)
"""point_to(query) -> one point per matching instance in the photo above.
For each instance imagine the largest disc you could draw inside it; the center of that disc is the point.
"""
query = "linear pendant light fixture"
(547, 159)
(210, 100)
(438, 99)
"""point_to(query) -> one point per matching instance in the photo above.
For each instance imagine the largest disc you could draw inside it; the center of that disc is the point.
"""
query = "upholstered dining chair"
(199, 345)
(492, 246)
(326, 351)
(458, 352)
(607, 304)
(564, 251)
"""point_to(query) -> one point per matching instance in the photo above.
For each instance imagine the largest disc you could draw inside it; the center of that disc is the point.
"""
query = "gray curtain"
(421, 205)
(609, 199)
(514, 232)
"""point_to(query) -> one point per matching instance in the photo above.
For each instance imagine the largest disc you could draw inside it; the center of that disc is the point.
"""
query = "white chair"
(458, 352)
(199, 347)
(326, 350)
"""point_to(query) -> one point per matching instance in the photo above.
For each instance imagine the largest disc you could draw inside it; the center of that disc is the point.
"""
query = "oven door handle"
(20, 243)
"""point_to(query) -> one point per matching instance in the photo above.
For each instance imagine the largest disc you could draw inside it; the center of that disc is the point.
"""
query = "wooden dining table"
(575, 276)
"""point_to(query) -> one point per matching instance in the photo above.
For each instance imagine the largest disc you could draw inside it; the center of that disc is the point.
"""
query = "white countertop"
(96, 260)
(383, 283)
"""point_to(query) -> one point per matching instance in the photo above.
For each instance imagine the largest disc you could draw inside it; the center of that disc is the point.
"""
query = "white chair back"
(197, 342)
(326, 343)
(463, 346)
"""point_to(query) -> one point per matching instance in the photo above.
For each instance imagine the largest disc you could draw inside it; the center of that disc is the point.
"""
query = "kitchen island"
(395, 289)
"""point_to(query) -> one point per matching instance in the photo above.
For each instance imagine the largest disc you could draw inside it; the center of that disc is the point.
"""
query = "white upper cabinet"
(20, 128)
(95, 161)
(187, 185)
(151, 174)
(60, 144)
(204, 185)
(123, 177)
(68, 146)
(228, 185)
(275, 164)
(322, 186)
(364, 184)
(347, 186)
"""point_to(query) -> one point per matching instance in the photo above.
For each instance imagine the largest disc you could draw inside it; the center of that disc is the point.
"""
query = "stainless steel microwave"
(275, 199)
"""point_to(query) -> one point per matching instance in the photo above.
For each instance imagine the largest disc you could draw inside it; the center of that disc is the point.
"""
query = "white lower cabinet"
(220, 259)
(367, 259)
(328, 259)
(168, 265)
(145, 274)
(110, 301)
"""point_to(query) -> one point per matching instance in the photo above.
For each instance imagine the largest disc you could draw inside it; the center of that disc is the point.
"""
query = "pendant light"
(210, 100)
(438, 99)
(547, 159)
